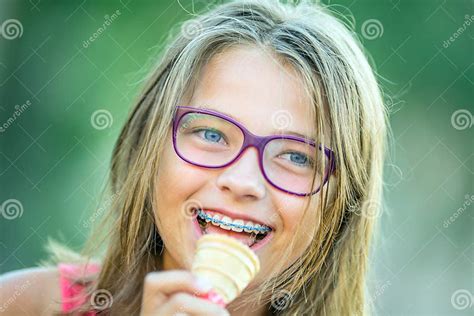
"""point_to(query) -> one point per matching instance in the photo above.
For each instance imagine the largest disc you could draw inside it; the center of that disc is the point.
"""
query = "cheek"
(171, 189)
(299, 226)
(176, 181)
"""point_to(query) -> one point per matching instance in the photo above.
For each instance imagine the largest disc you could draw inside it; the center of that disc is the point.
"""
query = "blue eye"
(300, 159)
(211, 135)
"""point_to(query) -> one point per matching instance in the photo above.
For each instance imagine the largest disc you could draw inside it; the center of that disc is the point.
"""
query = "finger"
(159, 285)
(169, 282)
(190, 305)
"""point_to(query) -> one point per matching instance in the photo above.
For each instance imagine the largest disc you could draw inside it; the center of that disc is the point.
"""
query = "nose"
(243, 177)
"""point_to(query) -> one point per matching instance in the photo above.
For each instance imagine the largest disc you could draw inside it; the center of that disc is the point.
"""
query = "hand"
(174, 293)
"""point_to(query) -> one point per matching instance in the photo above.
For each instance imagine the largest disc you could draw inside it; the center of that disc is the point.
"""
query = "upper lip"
(235, 215)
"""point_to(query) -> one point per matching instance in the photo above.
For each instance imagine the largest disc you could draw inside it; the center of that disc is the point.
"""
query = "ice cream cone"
(227, 263)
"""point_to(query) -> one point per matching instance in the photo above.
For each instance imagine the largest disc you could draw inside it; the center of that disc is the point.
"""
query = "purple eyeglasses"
(210, 139)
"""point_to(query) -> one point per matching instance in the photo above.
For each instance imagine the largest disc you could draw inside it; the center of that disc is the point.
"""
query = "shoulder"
(30, 291)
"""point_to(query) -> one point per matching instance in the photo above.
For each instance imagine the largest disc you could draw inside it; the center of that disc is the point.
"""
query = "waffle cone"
(227, 263)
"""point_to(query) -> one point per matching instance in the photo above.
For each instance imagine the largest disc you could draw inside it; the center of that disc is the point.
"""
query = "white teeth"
(257, 226)
(227, 220)
(216, 217)
(238, 222)
(246, 229)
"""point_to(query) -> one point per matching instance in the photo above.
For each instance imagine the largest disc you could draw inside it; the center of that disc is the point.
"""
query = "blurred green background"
(54, 156)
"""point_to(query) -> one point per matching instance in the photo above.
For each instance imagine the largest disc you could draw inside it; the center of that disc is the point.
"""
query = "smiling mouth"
(252, 235)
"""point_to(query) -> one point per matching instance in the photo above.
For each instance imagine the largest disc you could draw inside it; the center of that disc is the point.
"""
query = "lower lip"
(254, 247)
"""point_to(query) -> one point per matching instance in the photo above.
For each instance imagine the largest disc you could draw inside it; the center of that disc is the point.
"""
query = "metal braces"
(204, 216)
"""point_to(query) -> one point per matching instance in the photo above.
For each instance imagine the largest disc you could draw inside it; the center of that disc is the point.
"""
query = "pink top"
(70, 292)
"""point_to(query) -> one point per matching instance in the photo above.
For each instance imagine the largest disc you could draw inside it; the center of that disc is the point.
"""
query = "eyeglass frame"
(251, 140)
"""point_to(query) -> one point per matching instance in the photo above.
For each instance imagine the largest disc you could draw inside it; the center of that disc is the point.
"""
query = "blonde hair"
(330, 277)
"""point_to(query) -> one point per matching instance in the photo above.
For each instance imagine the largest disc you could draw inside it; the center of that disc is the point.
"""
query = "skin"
(250, 85)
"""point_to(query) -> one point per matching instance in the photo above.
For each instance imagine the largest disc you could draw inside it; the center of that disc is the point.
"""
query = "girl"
(260, 114)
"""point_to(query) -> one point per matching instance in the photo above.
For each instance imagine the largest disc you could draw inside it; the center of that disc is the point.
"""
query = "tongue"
(243, 237)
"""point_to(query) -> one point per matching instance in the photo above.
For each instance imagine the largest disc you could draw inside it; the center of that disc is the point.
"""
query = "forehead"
(253, 87)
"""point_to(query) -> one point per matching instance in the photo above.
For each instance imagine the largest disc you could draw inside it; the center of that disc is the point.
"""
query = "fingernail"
(203, 284)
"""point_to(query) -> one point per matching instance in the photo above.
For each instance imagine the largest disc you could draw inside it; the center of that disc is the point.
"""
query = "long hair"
(347, 109)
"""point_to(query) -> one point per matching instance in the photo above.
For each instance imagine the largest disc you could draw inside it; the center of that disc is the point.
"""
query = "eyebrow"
(284, 132)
